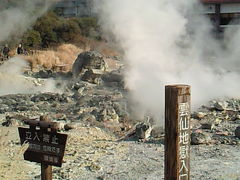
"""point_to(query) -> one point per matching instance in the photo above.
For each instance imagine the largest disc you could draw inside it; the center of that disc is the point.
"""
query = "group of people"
(6, 50)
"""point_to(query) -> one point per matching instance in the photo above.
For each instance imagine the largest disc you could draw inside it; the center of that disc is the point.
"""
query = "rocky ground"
(103, 142)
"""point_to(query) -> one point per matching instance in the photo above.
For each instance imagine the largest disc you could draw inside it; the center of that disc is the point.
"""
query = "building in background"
(74, 8)
(223, 13)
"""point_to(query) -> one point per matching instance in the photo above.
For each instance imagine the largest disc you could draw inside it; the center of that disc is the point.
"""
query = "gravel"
(96, 116)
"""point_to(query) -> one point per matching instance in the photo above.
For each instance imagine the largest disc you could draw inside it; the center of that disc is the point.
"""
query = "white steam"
(12, 80)
(16, 17)
(170, 42)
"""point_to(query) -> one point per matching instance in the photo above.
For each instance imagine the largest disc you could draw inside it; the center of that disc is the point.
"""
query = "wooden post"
(217, 17)
(177, 132)
(46, 170)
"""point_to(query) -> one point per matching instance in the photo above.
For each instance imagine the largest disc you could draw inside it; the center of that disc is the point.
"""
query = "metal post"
(46, 170)
(177, 132)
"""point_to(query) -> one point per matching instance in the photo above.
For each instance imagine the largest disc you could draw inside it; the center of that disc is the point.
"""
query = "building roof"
(219, 1)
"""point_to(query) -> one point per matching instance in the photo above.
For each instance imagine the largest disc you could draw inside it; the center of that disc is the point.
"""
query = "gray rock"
(87, 117)
(199, 115)
(94, 167)
(12, 122)
(108, 114)
(200, 138)
(237, 117)
(10, 102)
(208, 125)
(21, 108)
(237, 132)
(44, 74)
(143, 130)
(82, 100)
(221, 106)
(49, 97)
(76, 86)
(93, 76)
(88, 60)
(60, 126)
(114, 77)
(70, 126)
(61, 116)
(4, 108)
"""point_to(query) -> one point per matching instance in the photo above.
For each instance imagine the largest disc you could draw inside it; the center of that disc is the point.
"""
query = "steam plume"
(13, 81)
(170, 42)
(17, 16)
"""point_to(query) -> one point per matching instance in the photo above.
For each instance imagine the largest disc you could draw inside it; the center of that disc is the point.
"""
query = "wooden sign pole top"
(43, 124)
(179, 89)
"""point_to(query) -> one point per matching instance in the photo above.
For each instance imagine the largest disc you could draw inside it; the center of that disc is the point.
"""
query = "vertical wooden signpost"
(177, 132)
(46, 146)
(46, 170)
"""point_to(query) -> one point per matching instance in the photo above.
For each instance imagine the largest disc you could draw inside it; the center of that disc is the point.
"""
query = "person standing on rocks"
(6, 51)
(20, 49)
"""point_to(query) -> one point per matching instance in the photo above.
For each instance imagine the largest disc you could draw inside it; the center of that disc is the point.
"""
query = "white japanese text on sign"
(184, 136)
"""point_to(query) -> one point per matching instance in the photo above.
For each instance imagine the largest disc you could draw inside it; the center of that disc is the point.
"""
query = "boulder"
(88, 60)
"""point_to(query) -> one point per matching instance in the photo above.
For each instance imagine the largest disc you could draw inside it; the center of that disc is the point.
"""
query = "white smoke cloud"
(170, 42)
(12, 80)
(17, 16)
